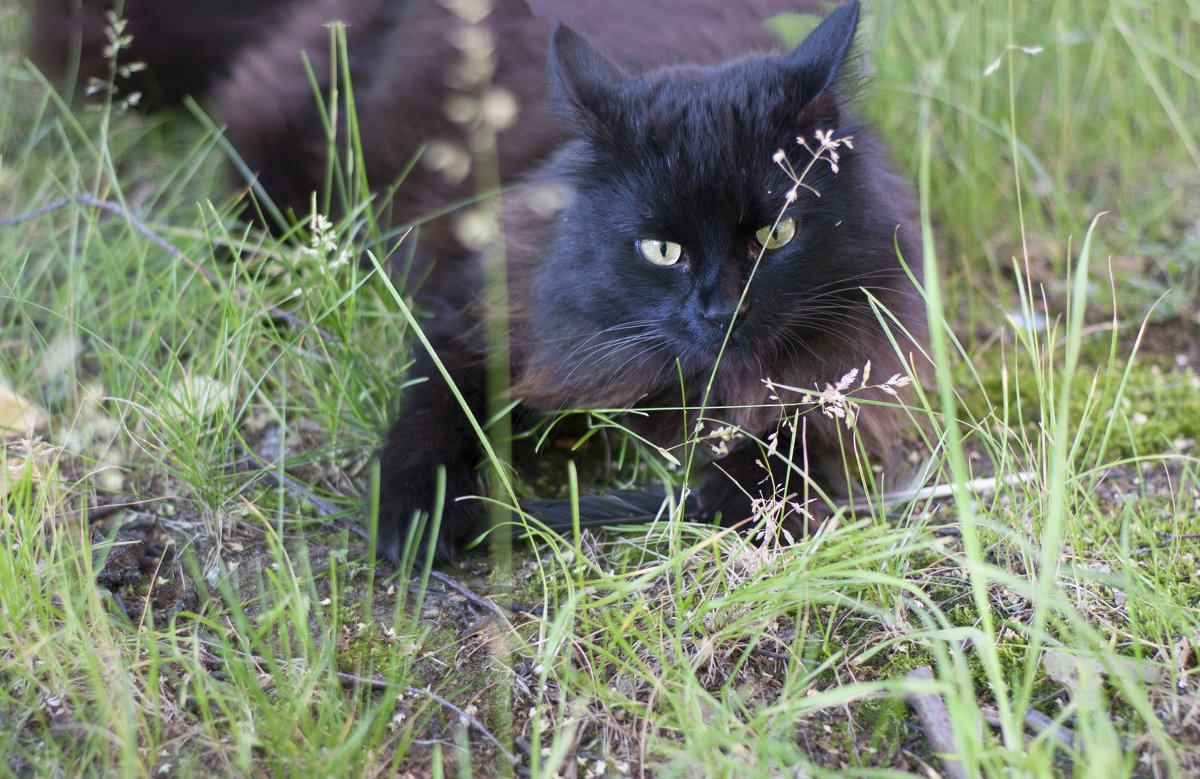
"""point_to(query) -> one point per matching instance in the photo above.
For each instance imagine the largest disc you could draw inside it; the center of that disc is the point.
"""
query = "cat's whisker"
(824, 315)
(850, 339)
(642, 355)
(846, 284)
(846, 329)
(588, 347)
(605, 349)
(804, 344)
(834, 292)
(825, 306)
(613, 372)
(623, 348)
(588, 339)
(591, 358)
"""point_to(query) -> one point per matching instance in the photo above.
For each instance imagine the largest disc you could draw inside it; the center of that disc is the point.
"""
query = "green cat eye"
(781, 235)
(660, 252)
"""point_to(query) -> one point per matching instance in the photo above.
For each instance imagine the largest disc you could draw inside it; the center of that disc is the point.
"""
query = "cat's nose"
(724, 314)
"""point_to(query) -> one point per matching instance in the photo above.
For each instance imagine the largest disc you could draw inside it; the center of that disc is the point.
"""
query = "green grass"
(1068, 591)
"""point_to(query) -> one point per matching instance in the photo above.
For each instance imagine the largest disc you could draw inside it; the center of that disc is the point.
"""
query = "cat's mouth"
(722, 345)
(727, 318)
(726, 326)
(722, 319)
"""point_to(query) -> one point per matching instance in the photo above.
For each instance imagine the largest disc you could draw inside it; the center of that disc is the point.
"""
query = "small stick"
(1168, 539)
(931, 710)
(325, 508)
(382, 684)
(980, 485)
(478, 600)
(103, 510)
(1036, 720)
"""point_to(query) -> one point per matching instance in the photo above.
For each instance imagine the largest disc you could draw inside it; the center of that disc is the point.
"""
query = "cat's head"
(678, 245)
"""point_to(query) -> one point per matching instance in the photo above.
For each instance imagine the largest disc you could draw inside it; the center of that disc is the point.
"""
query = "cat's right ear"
(821, 57)
(582, 80)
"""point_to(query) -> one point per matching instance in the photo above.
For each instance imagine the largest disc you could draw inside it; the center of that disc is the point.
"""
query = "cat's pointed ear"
(820, 57)
(582, 80)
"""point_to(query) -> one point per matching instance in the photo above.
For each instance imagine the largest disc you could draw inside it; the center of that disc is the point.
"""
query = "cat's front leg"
(432, 433)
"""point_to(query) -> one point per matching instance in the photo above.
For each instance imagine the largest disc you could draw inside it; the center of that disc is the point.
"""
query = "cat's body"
(634, 242)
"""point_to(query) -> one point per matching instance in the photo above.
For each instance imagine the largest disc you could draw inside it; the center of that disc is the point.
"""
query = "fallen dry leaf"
(1082, 675)
(18, 417)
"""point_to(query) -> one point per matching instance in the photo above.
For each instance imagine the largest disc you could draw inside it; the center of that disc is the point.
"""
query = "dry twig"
(931, 710)
(382, 684)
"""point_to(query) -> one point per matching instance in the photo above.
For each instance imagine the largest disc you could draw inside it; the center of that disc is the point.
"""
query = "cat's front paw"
(408, 511)
(410, 496)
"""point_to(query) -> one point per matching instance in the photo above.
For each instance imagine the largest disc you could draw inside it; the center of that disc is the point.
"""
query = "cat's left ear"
(820, 57)
(582, 80)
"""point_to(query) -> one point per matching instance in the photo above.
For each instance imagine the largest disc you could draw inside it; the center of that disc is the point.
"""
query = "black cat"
(660, 253)
(673, 256)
